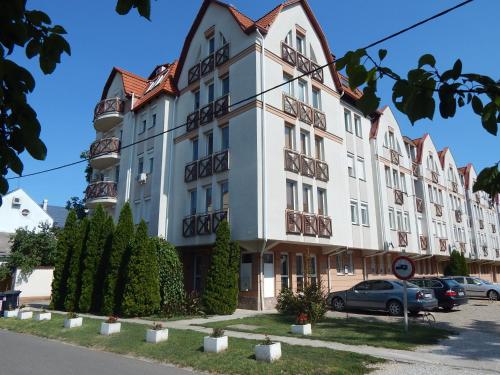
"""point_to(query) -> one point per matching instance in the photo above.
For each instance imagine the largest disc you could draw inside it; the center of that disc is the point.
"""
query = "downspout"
(128, 187)
(263, 167)
(170, 167)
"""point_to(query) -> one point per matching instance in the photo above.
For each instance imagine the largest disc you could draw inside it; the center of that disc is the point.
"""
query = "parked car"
(476, 287)
(448, 292)
(383, 295)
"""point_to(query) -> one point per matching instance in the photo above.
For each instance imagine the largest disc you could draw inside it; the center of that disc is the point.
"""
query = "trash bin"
(9, 299)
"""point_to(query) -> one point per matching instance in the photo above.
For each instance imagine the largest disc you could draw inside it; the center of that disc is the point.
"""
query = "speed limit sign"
(403, 268)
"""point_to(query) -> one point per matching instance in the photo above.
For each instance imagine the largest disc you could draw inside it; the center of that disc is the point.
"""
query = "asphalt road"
(28, 355)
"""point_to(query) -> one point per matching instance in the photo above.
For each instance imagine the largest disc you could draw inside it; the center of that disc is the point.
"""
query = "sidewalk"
(492, 365)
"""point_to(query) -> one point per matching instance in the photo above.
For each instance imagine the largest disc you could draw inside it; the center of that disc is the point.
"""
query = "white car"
(476, 287)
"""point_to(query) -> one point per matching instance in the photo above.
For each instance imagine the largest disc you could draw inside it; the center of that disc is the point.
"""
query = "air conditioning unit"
(142, 178)
(16, 201)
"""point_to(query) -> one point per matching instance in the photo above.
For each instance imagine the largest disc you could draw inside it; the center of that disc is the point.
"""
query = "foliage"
(424, 87)
(78, 205)
(98, 239)
(267, 340)
(311, 302)
(192, 304)
(454, 266)
(66, 243)
(72, 315)
(157, 326)
(30, 249)
(142, 288)
(465, 266)
(217, 332)
(116, 267)
(221, 292)
(302, 319)
(88, 168)
(112, 320)
(172, 293)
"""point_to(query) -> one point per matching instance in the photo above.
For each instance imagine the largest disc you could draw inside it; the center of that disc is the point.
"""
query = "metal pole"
(405, 304)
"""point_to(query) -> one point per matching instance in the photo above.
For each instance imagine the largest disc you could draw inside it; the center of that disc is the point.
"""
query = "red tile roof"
(419, 142)
(166, 86)
(442, 155)
(465, 171)
(132, 83)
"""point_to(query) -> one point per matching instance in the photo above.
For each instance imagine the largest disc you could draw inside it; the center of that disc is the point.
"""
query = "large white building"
(310, 186)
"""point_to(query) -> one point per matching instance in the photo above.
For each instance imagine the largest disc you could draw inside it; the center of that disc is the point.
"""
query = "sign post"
(404, 268)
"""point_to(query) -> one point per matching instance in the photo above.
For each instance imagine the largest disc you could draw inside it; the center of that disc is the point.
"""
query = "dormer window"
(155, 82)
(299, 39)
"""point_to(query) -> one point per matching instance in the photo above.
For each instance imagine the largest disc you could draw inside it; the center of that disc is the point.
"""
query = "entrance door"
(268, 260)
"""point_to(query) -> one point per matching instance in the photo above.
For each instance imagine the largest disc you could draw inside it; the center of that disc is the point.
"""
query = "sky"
(101, 39)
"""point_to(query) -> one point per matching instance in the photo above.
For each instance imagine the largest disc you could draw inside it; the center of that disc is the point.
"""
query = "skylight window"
(155, 83)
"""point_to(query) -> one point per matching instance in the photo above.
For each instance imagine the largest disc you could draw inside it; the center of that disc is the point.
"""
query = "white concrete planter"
(24, 315)
(39, 316)
(214, 344)
(268, 353)
(10, 314)
(110, 328)
(73, 323)
(156, 336)
(301, 329)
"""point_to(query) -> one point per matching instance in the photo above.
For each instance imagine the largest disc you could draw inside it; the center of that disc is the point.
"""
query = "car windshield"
(451, 282)
(408, 284)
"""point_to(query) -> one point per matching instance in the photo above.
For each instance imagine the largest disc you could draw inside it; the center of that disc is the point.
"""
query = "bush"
(311, 302)
(455, 266)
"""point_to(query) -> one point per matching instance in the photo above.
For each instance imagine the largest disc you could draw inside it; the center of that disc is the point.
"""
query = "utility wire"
(391, 36)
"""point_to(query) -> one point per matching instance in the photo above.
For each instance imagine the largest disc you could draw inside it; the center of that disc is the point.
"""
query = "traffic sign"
(403, 268)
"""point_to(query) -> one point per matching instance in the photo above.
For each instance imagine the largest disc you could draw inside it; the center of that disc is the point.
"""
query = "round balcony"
(108, 113)
(101, 192)
(104, 153)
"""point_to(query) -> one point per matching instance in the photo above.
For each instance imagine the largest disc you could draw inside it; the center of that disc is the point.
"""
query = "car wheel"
(493, 295)
(395, 308)
(338, 304)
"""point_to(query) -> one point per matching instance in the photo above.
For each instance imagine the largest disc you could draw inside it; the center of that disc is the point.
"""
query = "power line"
(391, 36)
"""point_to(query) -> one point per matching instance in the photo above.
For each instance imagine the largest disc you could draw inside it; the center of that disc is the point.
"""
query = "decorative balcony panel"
(443, 245)
(222, 54)
(399, 197)
(435, 177)
(189, 226)
(107, 106)
(208, 64)
(403, 239)
(303, 63)
(424, 243)
(394, 157)
(290, 105)
(415, 169)
(103, 192)
(458, 216)
(324, 226)
(221, 161)
(478, 198)
(207, 114)
(319, 119)
(293, 222)
(104, 152)
(493, 228)
(194, 73)
(481, 224)
(485, 251)
(309, 224)
(307, 167)
(316, 74)
(292, 161)
(205, 167)
(193, 121)
(454, 187)
(221, 106)
(217, 218)
(203, 224)
(288, 54)
(420, 205)
(439, 209)
(191, 172)
(322, 173)
(305, 113)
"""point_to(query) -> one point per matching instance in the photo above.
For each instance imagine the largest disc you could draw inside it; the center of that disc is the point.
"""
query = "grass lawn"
(353, 331)
(185, 348)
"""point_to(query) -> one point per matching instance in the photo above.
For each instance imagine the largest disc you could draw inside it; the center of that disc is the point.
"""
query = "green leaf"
(15, 164)
(357, 75)
(124, 6)
(488, 180)
(382, 53)
(4, 186)
(38, 17)
(460, 102)
(144, 8)
(426, 59)
(36, 148)
(488, 118)
(32, 48)
(477, 105)
(457, 69)
(369, 102)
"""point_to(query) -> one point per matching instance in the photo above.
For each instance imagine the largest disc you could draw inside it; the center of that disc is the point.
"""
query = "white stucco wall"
(37, 284)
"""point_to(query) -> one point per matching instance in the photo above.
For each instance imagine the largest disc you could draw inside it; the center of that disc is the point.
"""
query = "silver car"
(476, 287)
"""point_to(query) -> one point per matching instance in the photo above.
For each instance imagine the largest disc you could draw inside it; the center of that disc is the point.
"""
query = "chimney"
(45, 204)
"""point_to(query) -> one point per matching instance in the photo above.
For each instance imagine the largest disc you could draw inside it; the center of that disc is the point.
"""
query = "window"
(350, 166)
(208, 199)
(399, 220)
(307, 199)
(302, 91)
(289, 137)
(140, 165)
(311, 270)
(347, 120)
(319, 148)
(354, 212)
(192, 202)
(153, 120)
(151, 165)
(407, 222)
(285, 280)
(395, 179)
(388, 180)
(196, 99)
(246, 272)
(299, 271)
(117, 174)
(224, 195)
(364, 214)
(225, 85)
(316, 98)
(142, 127)
(304, 143)
(288, 85)
(403, 182)
(300, 44)
(210, 93)
(222, 40)
(344, 264)
(361, 169)
(392, 221)
(429, 188)
(210, 143)
(392, 141)
(291, 195)
(288, 38)
(322, 207)
(211, 45)
(357, 126)
(225, 138)
(194, 146)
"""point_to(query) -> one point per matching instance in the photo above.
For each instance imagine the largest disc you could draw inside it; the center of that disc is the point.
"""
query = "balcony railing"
(207, 114)
(189, 226)
(322, 173)
(308, 224)
(415, 169)
(439, 209)
(394, 157)
(101, 192)
(478, 198)
(485, 251)
(305, 113)
(290, 105)
(221, 106)
(481, 224)
(191, 171)
(215, 163)
(221, 161)
(207, 64)
(435, 177)
(203, 224)
(205, 167)
(319, 119)
(403, 239)
(420, 205)
(307, 166)
(458, 216)
(303, 64)
(424, 243)
(193, 121)
(443, 244)
(104, 152)
(292, 161)
(399, 197)
(222, 55)
(324, 226)
(454, 187)
(194, 73)
(106, 106)
(293, 222)
(217, 218)
(493, 228)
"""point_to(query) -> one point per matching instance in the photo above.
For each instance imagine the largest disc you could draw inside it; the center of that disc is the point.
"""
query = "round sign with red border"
(403, 267)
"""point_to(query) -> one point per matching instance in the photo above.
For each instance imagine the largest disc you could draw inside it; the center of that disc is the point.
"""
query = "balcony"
(205, 167)
(424, 243)
(420, 205)
(438, 210)
(221, 161)
(221, 106)
(304, 112)
(288, 54)
(191, 171)
(292, 161)
(485, 251)
(415, 169)
(443, 245)
(481, 224)
(193, 121)
(208, 64)
(322, 173)
(290, 105)
(222, 55)
(303, 64)
(458, 216)
(435, 177)
(203, 224)
(454, 187)
(403, 239)
(394, 157)
(308, 224)
(104, 153)
(108, 113)
(207, 114)
(493, 228)
(307, 166)
(319, 119)
(189, 226)
(101, 192)
(217, 218)
(399, 197)
(215, 163)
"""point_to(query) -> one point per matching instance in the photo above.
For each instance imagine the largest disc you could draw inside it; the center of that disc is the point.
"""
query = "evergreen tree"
(141, 295)
(221, 291)
(97, 239)
(120, 249)
(66, 243)
(171, 276)
(454, 266)
(464, 266)
(75, 267)
(100, 277)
